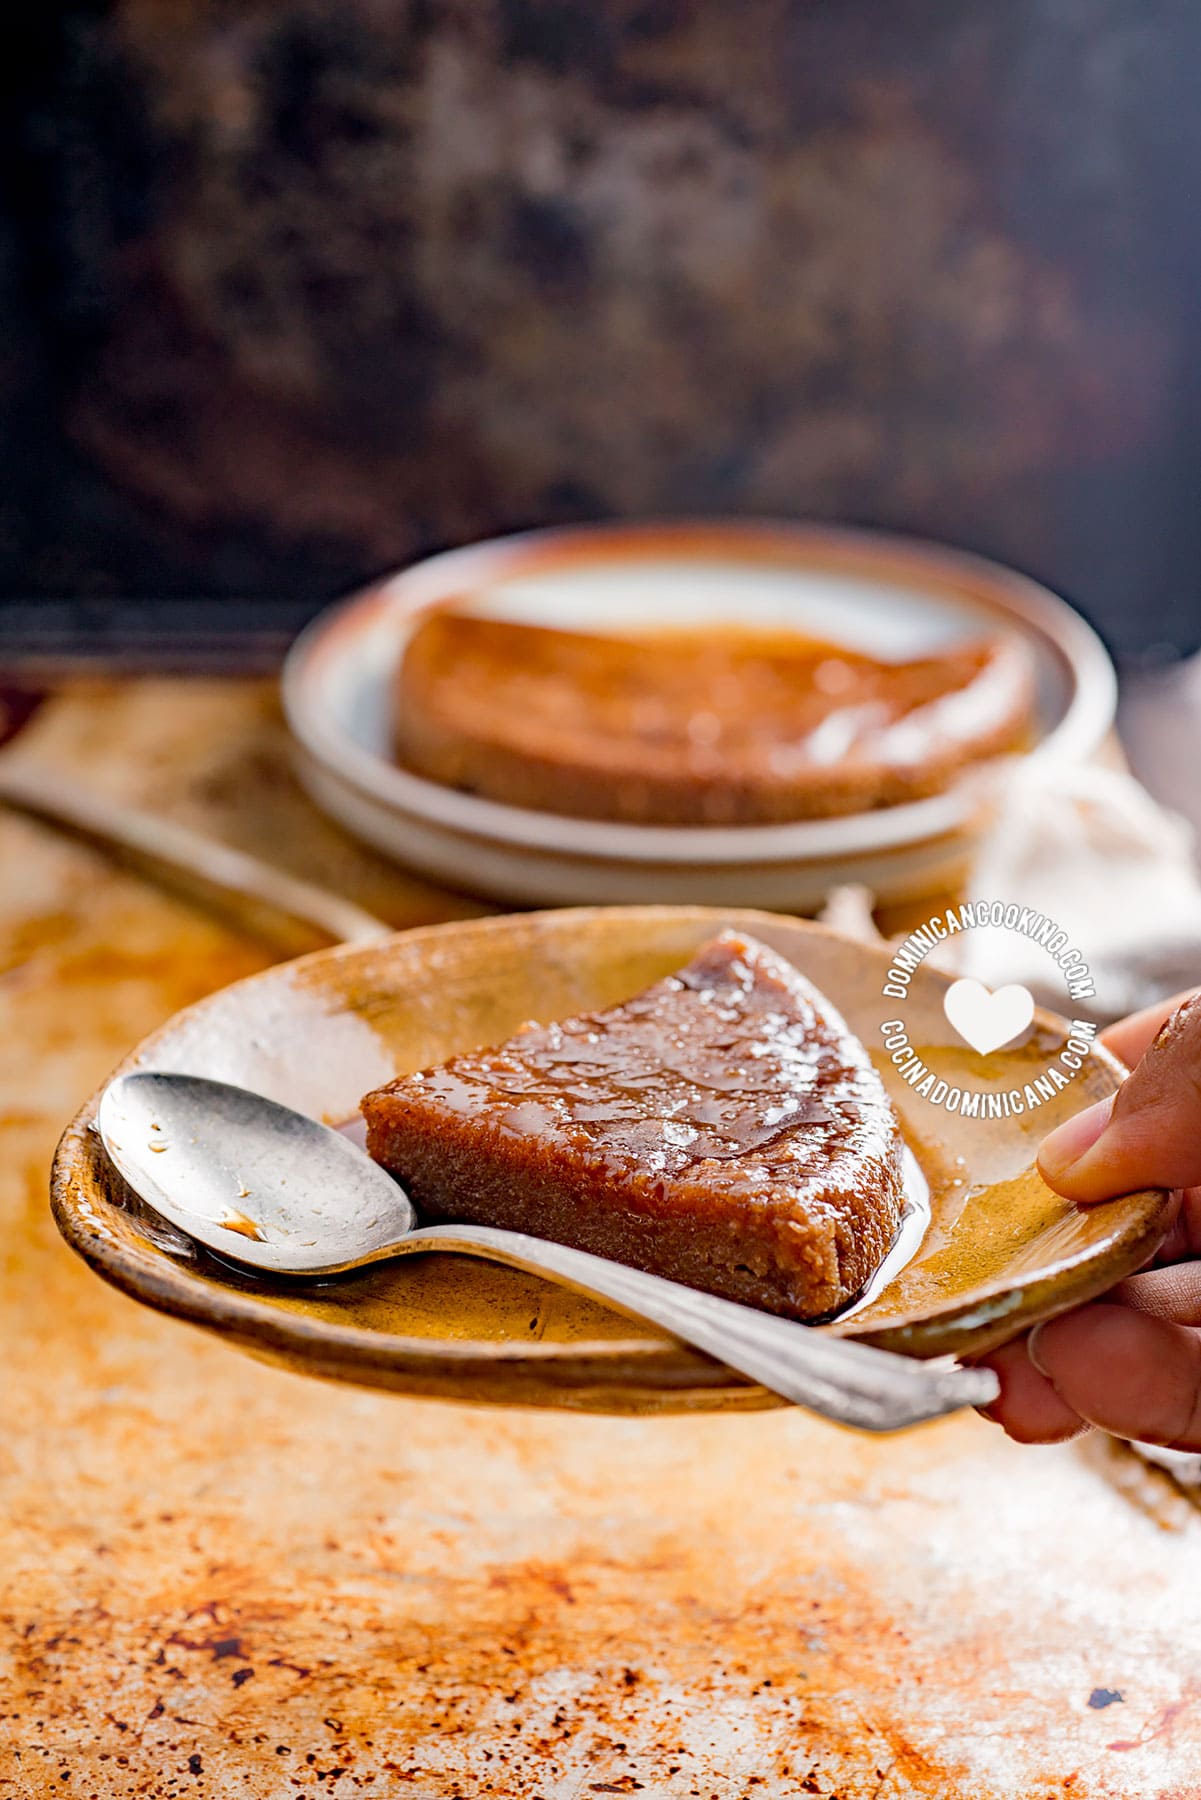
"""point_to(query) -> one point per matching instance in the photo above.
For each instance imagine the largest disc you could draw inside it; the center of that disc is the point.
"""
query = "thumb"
(1148, 1134)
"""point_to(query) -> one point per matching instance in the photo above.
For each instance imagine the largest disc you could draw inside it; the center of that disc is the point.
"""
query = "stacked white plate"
(888, 596)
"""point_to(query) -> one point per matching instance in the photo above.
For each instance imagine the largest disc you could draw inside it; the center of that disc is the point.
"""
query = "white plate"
(889, 595)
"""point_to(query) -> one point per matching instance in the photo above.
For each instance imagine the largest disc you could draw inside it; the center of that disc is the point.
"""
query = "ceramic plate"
(1000, 1251)
(891, 596)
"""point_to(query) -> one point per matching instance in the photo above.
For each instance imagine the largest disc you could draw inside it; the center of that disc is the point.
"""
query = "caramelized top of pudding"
(714, 725)
(723, 1128)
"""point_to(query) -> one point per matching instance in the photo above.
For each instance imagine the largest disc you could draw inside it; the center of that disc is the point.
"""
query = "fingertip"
(1028, 1408)
(1067, 1156)
(1130, 1038)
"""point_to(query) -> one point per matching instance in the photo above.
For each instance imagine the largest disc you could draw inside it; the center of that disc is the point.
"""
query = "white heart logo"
(987, 1020)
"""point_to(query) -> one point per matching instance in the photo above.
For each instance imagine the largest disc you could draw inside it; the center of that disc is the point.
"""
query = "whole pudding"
(697, 727)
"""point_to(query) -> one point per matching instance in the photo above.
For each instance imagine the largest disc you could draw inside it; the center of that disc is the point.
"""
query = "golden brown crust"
(723, 1129)
(698, 727)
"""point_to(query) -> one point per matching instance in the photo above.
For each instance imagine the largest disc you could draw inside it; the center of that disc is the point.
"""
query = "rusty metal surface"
(218, 1578)
(328, 283)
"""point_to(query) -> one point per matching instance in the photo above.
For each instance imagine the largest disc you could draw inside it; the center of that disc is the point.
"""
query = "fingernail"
(1064, 1147)
(1032, 1348)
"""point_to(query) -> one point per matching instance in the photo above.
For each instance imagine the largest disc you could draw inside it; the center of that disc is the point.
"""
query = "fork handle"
(850, 1383)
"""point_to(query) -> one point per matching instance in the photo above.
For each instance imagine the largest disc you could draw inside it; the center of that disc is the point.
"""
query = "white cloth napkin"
(1089, 848)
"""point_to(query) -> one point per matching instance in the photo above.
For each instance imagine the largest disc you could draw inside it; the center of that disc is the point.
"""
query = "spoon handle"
(842, 1380)
(283, 910)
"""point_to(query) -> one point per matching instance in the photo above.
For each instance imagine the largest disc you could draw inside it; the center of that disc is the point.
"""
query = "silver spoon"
(274, 1190)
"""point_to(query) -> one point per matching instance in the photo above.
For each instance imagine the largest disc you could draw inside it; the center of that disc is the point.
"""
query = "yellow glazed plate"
(1000, 1251)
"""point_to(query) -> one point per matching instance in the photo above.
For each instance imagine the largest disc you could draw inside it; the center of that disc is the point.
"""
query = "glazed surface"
(723, 1128)
(713, 726)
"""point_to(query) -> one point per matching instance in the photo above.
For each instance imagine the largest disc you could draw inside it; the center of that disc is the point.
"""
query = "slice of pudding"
(723, 1128)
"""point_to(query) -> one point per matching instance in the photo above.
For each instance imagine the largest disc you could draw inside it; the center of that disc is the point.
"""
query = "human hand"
(1131, 1361)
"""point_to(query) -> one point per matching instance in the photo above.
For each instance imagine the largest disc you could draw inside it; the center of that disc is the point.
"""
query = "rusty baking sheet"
(218, 1578)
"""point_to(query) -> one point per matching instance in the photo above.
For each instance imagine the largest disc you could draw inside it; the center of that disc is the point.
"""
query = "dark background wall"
(292, 292)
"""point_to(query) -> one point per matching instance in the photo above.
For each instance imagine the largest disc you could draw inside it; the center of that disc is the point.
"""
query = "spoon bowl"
(253, 1180)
